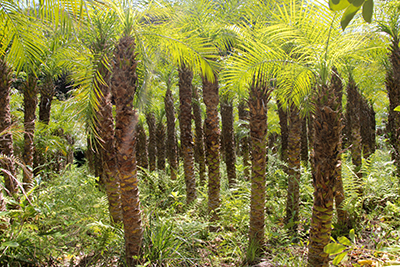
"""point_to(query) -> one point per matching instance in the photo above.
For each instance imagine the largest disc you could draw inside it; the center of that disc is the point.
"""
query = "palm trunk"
(185, 120)
(353, 108)
(212, 140)
(327, 127)
(171, 136)
(105, 148)
(393, 89)
(199, 154)
(283, 122)
(30, 103)
(367, 128)
(46, 96)
(141, 147)
(258, 99)
(160, 145)
(339, 194)
(304, 141)
(294, 148)
(228, 141)
(124, 82)
(6, 139)
(152, 147)
(245, 152)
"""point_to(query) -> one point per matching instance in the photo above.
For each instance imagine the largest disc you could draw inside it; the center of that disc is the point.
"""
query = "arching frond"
(21, 36)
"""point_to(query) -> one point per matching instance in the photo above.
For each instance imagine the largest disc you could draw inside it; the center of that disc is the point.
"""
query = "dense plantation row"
(257, 133)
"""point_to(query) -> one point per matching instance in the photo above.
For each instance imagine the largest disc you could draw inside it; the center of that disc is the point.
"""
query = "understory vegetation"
(64, 221)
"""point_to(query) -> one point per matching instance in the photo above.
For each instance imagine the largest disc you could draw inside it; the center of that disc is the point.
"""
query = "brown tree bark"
(124, 83)
(327, 125)
(160, 145)
(30, 103)
(141, 147)
(304, 141)
(283, 122)
(245, 140)
(393, 88)
(342, 215)
(199, 153)
(6, 139)
(258, 99)
(185, 120)
(47, 92)
(212, 140)
(228, 140)
(354, 122)
(293, 152)
(152, 145)
(104, 147)
(367, 119)
(172, 152)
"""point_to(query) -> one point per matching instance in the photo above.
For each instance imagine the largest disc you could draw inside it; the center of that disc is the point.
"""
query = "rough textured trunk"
(327, 126)
(294, 147)
(6, 139)
(185, 121)
(283, 122)
(258, 99)
(353, 120)
(228, 140)
(199, 153)
(152, 147)
(30, 103)
(141, 146)
(272, 138)
(104, 160)
(244, 140)
(339, 194)
(212, 140)
(47, 92)
(310, 126)
(393, 89)
(124, 82)
(304, 141)
(160, 145)
(367, 119)
(172, 152)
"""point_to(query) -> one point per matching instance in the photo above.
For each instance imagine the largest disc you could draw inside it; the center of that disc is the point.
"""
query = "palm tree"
(228, 140)
(368, 125)
(244, 140)
(199, 153)
(212, 142)
(171, 136)
(293, 160)
(141, 146)
(30, 91)
(160, 134)
(123, 86)
(354, 122)
(258, 98)
(185, 122)
(304, 141)
(336, 83)
(152, 146)
(47, 91)
(283, 122)
(6, 139)
(392, 29)
(311, 59)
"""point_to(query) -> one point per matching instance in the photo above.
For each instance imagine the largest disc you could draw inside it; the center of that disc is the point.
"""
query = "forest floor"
(65, 222)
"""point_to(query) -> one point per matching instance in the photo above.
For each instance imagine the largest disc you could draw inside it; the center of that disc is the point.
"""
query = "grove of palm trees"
(200, 133)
